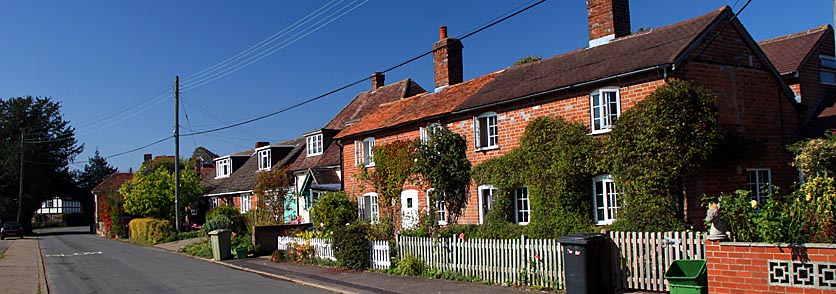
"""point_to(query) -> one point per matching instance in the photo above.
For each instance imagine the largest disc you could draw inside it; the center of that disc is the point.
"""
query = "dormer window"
(314, 145)
(223, 168)
(264, 162)
(828, 69)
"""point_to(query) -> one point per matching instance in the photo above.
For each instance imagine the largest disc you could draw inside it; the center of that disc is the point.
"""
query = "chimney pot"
(378, 80)
(447, 60)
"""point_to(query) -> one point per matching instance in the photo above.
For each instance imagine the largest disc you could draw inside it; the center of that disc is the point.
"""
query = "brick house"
(806, 62)
(592, 86)
(109, 187)
(235, 174)
(318, 167)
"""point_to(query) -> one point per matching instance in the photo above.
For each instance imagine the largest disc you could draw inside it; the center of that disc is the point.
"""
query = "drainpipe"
(342, 168)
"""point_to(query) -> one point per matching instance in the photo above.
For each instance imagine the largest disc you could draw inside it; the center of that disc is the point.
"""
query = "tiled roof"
(361, 105)
(325, 176)
(659, 46)
(244, 177)
(788, 52)
(112, 183)
(417, 107)
(365, 102)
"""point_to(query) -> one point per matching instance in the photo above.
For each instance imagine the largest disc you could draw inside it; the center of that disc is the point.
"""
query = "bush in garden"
(351, 246)
(217, 222)
(300, 252)
(333, 209)
(147, 231)
(231, 213)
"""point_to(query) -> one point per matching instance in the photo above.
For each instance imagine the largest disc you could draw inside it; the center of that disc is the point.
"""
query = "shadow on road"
(62, 231)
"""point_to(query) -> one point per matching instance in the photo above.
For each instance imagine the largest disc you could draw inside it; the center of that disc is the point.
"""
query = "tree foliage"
(666, 136)
(151, 192)
(528, 59)
(50, 145)
(816, 157)
(442, 164)
(555, 161)
(332, 210)
(94, 172)
(271, 189)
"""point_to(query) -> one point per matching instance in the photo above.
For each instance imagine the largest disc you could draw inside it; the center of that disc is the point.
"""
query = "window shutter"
(358, 152)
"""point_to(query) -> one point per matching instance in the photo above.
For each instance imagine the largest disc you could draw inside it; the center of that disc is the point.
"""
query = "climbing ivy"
(442, 165)
(668, 135)
(394, 164)
(555, 161)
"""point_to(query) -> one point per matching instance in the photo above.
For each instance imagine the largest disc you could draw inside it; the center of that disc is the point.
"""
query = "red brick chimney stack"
(261, 144)
(378, 80)
(608, 19)
(447, 60)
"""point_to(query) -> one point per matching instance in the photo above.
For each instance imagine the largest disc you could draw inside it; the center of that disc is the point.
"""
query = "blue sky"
(111, 64)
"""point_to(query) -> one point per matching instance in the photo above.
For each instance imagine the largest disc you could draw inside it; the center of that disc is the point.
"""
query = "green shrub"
(410, 265)
(351, 246)
(216, 223)
(147, 231)
(200, 249)
(454, 230)
(331, 210)
(231, 213)
(278, 256)
(182, 236)
(242, 242)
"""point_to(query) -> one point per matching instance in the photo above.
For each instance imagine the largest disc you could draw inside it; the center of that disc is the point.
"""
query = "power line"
(221, 119)
(473, 32)
(273, 49)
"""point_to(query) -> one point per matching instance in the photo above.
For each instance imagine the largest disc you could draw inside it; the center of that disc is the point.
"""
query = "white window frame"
(482, 212)
(363, 152)
(520, 196)
(827, 66)
(374, 214)
(314, 145)
(758, 185)
(491, 126)
(609, 197)
(606, 115)
(246, 202)
(223, 167)
(440, 209)
(264, 160)
(425, 132)
(213, 202)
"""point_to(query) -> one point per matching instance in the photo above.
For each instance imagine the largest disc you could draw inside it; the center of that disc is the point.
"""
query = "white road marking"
(73, 254)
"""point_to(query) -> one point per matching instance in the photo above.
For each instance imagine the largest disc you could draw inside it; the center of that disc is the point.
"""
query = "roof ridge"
(795, 35)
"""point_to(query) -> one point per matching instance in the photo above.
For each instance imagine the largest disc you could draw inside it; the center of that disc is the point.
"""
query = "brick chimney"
(447, 60)
(261, 144)
(146, 158)
(377, 80)
(608, 19)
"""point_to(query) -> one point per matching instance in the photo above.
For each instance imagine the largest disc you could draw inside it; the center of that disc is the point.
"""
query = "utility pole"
(20, 188)
(177, 152)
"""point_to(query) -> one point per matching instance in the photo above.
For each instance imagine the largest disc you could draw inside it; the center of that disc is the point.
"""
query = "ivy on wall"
(394, 164)
(442, 164)
(555, 161)
(665, 137)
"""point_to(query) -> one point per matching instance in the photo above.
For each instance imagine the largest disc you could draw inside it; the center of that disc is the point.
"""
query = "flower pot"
(240, 253)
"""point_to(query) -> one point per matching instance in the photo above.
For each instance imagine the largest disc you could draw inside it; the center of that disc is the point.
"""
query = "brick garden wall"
(738, 267)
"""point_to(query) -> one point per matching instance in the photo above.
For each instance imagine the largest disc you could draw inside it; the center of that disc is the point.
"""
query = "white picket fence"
(639, 259)
(378, 250)
(533, 262)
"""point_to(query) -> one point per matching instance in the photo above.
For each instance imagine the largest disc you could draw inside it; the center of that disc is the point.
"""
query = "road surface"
(78, 262)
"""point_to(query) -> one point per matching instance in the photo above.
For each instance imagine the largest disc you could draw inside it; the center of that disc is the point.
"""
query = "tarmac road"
(78, 262)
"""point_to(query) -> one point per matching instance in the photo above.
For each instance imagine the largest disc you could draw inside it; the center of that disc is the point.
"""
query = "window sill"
(221, 177)
(522, 224)
(599, 132)
(314, 154)
(442, 223)
(494, 147)
(605, 223)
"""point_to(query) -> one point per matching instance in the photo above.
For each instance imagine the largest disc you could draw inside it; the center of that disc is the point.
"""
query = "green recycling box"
(687, 277)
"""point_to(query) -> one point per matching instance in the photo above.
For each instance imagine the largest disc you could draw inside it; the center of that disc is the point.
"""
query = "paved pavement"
(21, 269)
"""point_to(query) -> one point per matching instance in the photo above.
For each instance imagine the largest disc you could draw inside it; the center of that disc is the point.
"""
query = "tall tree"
(49, 146)
(95, 171)
(151, 192)
(271, 189)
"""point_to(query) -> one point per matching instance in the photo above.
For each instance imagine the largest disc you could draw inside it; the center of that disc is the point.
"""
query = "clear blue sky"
(105, 60)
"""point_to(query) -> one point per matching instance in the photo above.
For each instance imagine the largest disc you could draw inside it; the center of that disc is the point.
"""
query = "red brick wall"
(744, 267)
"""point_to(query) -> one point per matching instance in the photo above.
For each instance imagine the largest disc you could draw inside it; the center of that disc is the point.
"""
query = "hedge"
(148, 231)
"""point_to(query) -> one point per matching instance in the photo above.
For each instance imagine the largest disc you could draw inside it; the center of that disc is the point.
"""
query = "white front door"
(409, 209)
